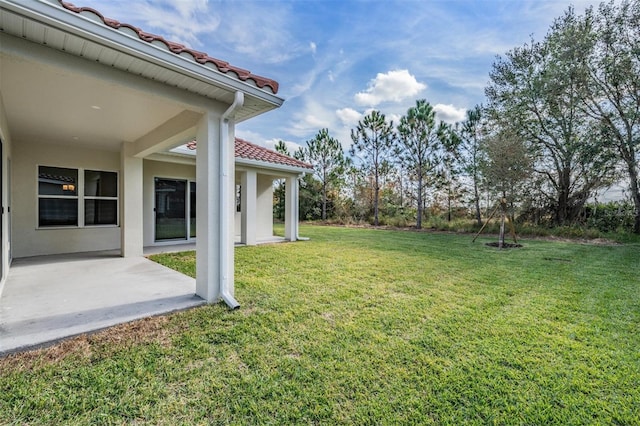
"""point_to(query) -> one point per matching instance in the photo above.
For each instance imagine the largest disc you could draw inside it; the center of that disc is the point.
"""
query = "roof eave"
(272, 166)
(54, 15)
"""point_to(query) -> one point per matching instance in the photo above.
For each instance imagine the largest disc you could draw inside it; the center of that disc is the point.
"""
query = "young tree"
(612, 86)
(326, 156)
(508, 164)
(420, 147)
(373, 142)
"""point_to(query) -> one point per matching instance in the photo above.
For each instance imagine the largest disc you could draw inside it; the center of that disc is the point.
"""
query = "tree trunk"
(449, 204)
(501, 239)
(476, 199)
(635, 194)
(419, 218)
(375, 201)
(324, 201)
(503, 209)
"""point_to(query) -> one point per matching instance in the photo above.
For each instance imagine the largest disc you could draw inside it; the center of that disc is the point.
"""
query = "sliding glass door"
(171, 209)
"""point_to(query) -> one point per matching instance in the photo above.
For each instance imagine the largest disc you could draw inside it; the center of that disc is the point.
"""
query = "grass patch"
(365, 326)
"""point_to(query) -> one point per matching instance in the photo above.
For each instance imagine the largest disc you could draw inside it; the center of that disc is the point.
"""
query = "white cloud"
(291, 146)
(312, 117)
(393, 86)
(395, 118)
(330, 76)
(449, 113)
(313, 48)
(181, 21)
(349, 116)
(251, 136)
(252, 31)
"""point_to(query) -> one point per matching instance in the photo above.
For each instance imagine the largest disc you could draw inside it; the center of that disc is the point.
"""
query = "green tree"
(507, 165)
(537, 90)
(469, 152)
(420, 147)
(612, 85)
(373, 143)
(279, 192)
(326, 156)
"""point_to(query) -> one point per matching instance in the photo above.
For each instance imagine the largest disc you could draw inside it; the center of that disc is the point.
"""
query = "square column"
(291, 209)
(208, 208)
(215, 208)
(131, 198)
(248, 203)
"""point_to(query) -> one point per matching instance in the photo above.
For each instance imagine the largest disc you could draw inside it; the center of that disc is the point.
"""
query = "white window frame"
(79, 197)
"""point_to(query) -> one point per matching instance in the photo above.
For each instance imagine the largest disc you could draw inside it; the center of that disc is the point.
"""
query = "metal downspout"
(225, 226)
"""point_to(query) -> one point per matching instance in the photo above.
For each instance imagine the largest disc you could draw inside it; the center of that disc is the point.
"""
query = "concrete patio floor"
(48, 298)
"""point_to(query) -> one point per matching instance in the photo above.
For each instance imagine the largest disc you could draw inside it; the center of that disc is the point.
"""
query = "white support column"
(208, 208)
(248, 203)
(291, 209)
(131, 197)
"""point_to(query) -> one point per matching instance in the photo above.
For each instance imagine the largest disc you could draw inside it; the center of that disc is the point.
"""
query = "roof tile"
(177, 48)
(249, 151)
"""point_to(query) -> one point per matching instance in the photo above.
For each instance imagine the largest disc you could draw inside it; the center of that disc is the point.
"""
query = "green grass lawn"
(362, 326)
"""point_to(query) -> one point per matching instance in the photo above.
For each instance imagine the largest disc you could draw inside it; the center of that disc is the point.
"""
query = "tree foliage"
(470, 153)
(420, 147)
(373, 143)
(612, 84)
(326, 156)
(536, 91)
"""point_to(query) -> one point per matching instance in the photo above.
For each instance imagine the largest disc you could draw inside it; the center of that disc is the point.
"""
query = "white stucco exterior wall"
(264, 206)
(27, 239)
(5, 137)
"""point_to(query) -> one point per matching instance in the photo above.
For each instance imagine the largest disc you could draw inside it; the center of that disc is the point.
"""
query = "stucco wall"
(159, 169)
(6, 194)
(264, 205)
(27, 240)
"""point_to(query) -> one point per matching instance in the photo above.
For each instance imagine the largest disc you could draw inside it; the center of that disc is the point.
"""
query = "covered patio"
(48, 298)
(85, 104)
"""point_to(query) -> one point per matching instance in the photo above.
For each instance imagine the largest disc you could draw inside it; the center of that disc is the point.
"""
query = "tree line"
(561, 121)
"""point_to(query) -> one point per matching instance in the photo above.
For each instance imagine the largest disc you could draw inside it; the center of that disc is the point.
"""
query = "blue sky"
(337, 59)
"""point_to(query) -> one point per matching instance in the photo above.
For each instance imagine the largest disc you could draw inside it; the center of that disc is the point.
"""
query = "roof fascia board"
(271, 166)
(54, 15)
(241, 163)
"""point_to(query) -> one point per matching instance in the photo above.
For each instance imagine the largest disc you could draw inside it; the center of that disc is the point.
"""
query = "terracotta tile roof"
(250, 151)
(199, 57)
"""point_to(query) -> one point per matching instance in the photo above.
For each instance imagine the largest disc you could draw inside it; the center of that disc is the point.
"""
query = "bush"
(614, 216)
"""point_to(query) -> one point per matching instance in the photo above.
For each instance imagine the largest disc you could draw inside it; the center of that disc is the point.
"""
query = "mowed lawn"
(361, 326)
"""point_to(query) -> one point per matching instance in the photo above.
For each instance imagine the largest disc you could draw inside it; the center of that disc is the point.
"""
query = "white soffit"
(85, 36)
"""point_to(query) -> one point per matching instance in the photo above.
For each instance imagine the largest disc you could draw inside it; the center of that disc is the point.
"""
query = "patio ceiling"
(69, 78)
(45, 103)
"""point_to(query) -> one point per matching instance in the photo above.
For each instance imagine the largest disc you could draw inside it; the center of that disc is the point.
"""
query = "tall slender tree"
(469, 152)
(420, 147)
(279, 192)
(373, 143)
(326, 155)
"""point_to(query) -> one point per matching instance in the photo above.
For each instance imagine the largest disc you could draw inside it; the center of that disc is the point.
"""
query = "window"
(57, 196)
(76, 197)
(100, 198)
